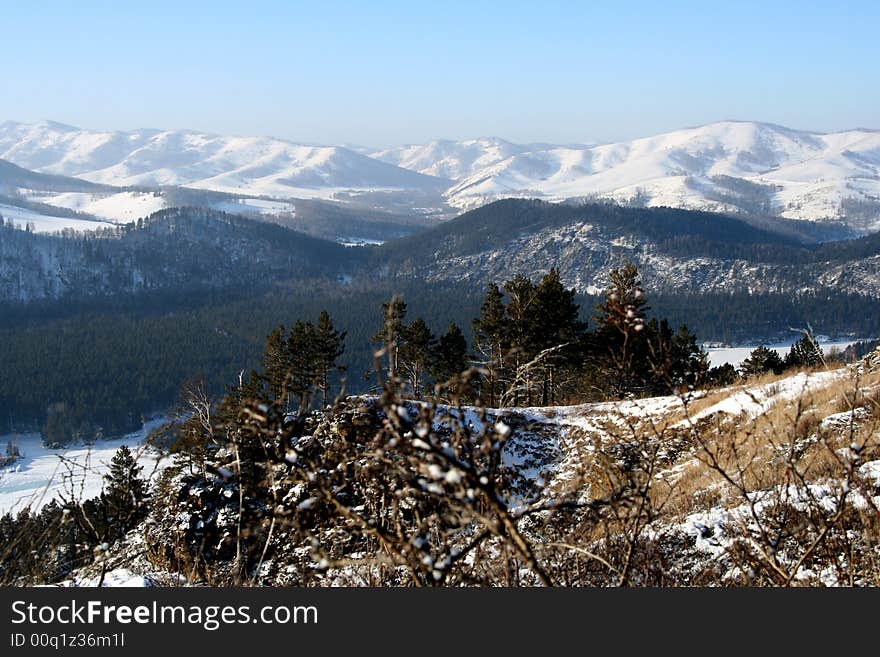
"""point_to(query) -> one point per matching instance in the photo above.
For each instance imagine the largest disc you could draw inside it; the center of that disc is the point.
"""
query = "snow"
(116, 578)
(256, 206)
(736, 355)
(451, 159)
(258, 166)
(121, 207)
(46, 223)
(42, 474)
(755, 400)
(358, 241)
(802, 175)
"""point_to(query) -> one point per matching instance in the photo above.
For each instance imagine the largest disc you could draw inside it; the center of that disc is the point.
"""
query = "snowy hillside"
(761, 483)
(254, 165)
(725, 166)
(454, 160)
(44, 474)
(729, 166)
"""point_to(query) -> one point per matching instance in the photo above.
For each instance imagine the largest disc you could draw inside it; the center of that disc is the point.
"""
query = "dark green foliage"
(451, 356)
(492, 342)
(629, 354)
(857, 350)
(329, 347)
(417, 353)
(619, 347)
(722, 375)
(42, 548)
(297, 364)
(528, 339)
(761, 361)
(391, 335)
(125, 493)
(806, 352)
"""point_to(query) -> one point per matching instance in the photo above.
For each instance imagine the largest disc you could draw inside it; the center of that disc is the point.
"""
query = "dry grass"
(763, 450)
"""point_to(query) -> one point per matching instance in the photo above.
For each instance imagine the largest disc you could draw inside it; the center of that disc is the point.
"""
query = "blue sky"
(380, 73)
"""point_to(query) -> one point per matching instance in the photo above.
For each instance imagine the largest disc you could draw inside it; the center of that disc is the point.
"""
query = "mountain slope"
(254, 165)
(446, 158)
(174, 251)
(726, 166)
(677, 251)
(730, 166)
(13, 177)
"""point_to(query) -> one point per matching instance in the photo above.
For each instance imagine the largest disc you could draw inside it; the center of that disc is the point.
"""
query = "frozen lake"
(736, 355)
(74, 472)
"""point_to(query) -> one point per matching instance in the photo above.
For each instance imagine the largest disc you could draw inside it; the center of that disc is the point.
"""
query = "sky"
(383, 73)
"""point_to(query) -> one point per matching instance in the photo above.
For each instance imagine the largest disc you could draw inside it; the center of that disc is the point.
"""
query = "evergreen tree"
(558, 328)
(391, 335)
(125, 493)
(760, 361)
(276, 363)
(722, 375)
(416, 353)
(302, 356)
(330, 345)
(619, 346)
(806, 352)
(491, 340)
(522, 331)
(689, 362)
(451, 357)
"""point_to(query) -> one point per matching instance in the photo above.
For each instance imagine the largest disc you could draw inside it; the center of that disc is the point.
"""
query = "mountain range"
(738, 167)
(677, 252)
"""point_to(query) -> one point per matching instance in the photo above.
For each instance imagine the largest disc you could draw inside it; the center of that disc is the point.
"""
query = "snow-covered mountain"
(722, 166)
(252, 165)
(676, 251)
(725, 166)
(455, 160)
(729, 166)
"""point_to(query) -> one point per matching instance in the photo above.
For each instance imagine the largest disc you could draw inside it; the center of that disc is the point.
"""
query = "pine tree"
(522, 318)
(760, 361)
(689, 362)
(722, 375)
(391, 334)
(451, 358)
(416, 353)
(302, 356)
(276, 363)
(330, 345)
(619, 345)
(125, 493)
(806, 352)
(558, 328)
(492, 342)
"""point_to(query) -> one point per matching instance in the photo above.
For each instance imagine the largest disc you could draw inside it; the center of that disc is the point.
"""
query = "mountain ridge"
(733, 166)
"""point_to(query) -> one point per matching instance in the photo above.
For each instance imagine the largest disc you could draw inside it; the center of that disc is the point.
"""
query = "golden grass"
(783, 445)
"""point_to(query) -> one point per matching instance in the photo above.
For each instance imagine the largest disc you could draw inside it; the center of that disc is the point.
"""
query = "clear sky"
(379, 73)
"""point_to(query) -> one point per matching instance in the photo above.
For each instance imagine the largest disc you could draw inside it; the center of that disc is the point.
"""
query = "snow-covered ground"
(46, 223)
(257, 206)
(736, 355)
(42, 474)
(258, 166)
(358, 241)
(722, 166)
(121, 207)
